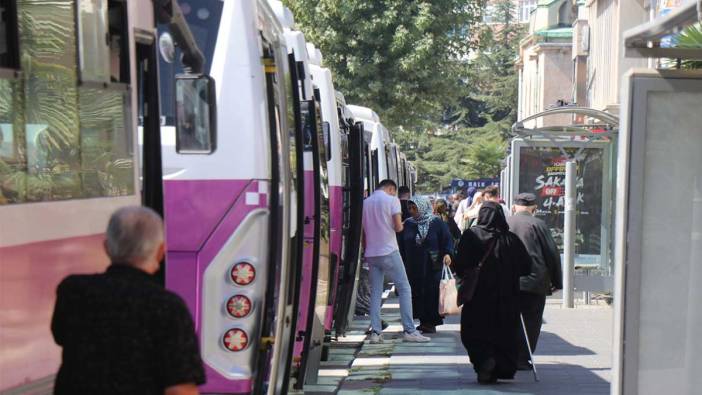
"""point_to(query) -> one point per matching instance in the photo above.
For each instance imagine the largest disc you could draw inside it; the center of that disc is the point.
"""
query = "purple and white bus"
(230, 229)
(383, 151)
(76, 79)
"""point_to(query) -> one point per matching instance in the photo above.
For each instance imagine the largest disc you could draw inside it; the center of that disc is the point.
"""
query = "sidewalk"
(573, 357)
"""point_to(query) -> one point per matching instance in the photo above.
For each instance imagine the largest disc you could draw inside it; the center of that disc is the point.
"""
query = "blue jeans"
(392, 266)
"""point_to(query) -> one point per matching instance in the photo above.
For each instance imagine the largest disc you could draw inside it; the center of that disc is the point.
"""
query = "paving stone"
(573, 357)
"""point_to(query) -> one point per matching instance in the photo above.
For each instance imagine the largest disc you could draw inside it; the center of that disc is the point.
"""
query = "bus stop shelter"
(576, 204)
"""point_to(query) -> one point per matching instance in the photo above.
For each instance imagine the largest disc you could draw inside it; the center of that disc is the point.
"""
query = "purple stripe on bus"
(181, 278)
(216, 383)
(195, 207)
(336, 217)
(306, 285)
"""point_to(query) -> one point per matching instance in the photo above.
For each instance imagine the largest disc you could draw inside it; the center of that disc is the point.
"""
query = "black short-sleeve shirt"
(123, 333)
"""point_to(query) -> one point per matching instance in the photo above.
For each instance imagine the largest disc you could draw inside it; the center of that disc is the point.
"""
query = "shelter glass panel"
(670, 322)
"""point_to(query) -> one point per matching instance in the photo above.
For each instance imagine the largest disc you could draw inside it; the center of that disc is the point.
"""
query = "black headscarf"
(491, 221)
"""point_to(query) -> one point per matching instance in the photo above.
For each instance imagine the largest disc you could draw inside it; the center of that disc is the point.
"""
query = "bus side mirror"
(196, 114)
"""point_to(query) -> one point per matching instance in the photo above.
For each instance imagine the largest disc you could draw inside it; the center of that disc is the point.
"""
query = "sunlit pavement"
(573, 357)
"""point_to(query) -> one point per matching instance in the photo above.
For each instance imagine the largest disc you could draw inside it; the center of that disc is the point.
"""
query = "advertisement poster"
(542, 172)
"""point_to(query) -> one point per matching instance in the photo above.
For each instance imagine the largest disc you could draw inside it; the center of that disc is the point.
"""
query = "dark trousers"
(532, 308)
(414, 276)
(428, 300)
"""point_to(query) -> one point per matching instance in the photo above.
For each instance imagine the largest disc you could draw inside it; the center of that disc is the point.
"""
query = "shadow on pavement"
(552, 344)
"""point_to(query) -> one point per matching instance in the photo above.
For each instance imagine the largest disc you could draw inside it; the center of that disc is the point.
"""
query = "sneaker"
(415, 337)
(376, 338)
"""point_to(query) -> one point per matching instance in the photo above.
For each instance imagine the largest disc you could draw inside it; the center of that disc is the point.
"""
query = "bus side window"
(102, 41)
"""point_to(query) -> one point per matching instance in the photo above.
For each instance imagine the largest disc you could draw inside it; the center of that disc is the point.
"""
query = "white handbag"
(448, 294)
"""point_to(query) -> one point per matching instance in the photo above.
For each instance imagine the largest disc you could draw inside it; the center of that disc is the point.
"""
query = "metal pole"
(569, 233)
(528, 344)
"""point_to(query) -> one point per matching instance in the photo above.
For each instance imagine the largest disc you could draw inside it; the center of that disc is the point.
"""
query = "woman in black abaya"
(490, 326)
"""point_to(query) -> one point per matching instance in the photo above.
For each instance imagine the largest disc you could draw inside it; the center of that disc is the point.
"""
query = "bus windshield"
(203, 17)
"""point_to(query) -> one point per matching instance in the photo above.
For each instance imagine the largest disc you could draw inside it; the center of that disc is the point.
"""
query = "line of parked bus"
(258, 164)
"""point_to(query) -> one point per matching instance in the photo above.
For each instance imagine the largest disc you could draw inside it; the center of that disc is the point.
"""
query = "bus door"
(310, 329)
(277, 319)
(353, 214)
(149, 119)
(297, 206)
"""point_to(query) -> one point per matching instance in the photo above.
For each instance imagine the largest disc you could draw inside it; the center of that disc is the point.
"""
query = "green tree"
(476, 126)
(443, 82)
(491, 84)
(403, 58)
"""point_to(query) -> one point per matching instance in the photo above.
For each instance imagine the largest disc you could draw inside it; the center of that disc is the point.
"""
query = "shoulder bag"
(470, 277)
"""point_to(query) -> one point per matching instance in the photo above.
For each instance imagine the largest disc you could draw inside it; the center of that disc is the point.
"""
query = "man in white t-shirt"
(382, 218)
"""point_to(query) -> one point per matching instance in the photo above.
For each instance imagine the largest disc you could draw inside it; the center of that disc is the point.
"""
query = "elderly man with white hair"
(121, 331)
(545, 275)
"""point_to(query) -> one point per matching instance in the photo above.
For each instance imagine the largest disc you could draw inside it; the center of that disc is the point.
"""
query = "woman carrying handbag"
(490, 259)
(428, 247)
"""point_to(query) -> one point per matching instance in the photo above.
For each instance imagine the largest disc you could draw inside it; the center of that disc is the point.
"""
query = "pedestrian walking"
(458, 198)
(441, 209)
(450, 199)
(404, 194)
(490, 321)
(492, 194)
(382, 218)
(429, 246)
(121, 332)
(470, 215)
(461, 208)
(545, 274)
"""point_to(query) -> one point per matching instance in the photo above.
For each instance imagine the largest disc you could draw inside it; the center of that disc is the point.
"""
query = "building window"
(525, 9)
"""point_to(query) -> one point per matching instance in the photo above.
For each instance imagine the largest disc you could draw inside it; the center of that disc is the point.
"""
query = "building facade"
(545, 66)
(573, 55)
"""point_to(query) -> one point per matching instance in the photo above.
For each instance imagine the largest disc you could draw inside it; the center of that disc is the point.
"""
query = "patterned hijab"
(426, 215)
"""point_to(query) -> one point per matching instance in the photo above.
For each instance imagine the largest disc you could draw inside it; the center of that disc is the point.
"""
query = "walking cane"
(531, 357)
